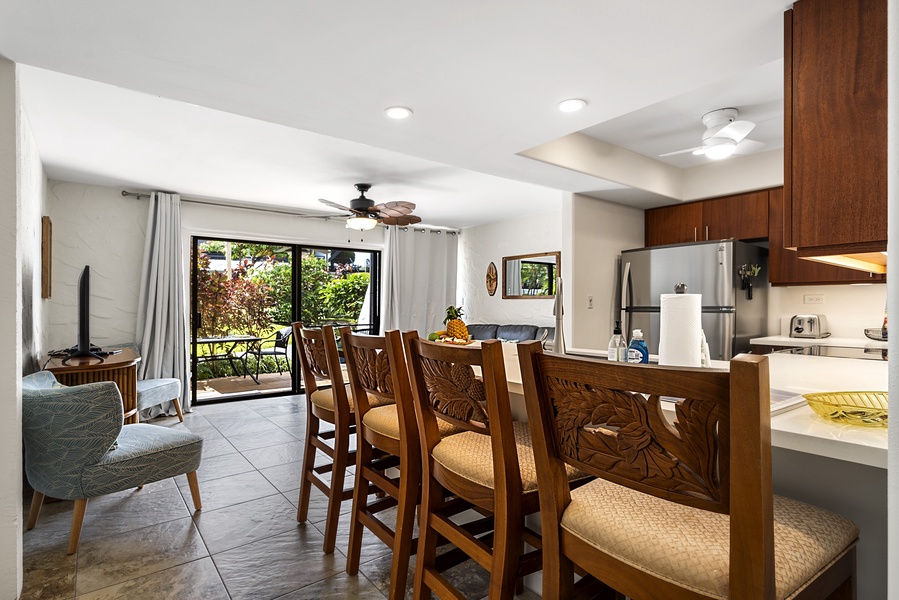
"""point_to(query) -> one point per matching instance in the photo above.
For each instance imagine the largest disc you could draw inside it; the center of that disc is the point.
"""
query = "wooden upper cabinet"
(836, 124)
(786, 268)
(673, 224)
(742, 216)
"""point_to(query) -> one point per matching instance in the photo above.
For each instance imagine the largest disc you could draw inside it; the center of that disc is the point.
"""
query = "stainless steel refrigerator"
(732, 277)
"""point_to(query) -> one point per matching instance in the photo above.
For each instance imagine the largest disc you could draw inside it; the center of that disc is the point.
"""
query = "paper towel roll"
(680, 333)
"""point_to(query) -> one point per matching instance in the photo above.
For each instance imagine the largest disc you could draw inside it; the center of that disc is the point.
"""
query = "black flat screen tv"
(84, 347)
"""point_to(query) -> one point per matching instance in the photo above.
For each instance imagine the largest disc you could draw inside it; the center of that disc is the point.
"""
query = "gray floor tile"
(115, 559)
(217, 447)
(197, 580)
(216, 467)
(372, 546)
(284, 477)
(227, 491)
(270, 456)
(256, 425)
(133, 509)
(277, 565)
(49, 573)
(338, 587)
(251, 441)
(241, 524)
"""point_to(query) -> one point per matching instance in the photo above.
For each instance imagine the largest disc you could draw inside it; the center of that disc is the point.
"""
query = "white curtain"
(161, 316)
(419, 278)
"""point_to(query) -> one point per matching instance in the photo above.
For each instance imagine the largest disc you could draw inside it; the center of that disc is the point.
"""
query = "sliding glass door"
(246, 294)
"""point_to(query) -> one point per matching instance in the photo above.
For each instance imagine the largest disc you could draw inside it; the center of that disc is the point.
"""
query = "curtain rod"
(138, 195)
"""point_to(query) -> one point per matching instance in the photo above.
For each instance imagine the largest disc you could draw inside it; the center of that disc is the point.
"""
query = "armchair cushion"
(151, 392)
(144, 453)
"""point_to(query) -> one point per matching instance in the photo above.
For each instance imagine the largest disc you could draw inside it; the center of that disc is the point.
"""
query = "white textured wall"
(599, 232)
(849, 308)
(11, 167)
(33, 189)
(96, 226)
(479, 246)
(733, 176)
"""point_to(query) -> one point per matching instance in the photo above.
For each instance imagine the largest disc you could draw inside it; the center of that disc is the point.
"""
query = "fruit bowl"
(853, 408)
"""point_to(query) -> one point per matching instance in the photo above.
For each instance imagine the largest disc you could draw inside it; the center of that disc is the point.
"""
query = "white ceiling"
(281, 102)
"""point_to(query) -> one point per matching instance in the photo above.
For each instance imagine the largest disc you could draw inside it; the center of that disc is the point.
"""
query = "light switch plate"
(813, 299)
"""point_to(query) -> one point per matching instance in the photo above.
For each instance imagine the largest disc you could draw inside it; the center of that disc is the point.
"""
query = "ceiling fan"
(722, 135)
(365, 214)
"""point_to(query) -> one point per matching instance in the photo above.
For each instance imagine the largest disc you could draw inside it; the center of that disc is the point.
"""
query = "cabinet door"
(673, 224)
(785, 268)
(837, 120)
(743, 216)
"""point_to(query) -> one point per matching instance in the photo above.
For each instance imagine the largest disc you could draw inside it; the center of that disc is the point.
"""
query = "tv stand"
(120, 368)
(73, 353)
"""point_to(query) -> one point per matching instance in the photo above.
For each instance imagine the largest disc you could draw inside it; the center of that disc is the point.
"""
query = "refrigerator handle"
(625, 286)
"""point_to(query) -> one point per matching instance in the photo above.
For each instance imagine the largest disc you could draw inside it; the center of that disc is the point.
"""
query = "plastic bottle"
(637, 351)
(617, 347)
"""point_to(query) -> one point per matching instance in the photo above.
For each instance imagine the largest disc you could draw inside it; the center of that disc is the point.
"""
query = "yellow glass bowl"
(853, 408)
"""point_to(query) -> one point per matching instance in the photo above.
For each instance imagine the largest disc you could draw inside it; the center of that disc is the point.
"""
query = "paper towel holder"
(680, 288)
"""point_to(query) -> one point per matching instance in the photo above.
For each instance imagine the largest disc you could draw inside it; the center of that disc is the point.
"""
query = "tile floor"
(244, 544)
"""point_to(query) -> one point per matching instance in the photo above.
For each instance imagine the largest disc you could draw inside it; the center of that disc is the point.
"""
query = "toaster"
(809, 326)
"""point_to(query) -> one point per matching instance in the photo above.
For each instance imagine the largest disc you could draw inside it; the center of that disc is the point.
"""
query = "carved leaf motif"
(373, 368)
(315, 356)
(454, 390)
(611, 431)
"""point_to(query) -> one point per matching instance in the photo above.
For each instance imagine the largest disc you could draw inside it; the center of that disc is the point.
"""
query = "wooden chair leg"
(77, 521)
(37, 501)
(335, 492)
(312, 425)
(432, 493)
(194, 489)
(410, 481)
(360, 502)
(177, 403)
(506, 549)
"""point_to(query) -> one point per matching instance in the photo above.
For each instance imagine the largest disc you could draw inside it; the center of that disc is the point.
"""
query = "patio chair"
(277, 345)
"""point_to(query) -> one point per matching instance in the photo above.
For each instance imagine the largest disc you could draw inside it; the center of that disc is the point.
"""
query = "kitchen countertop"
(783, 340)
(799, 429)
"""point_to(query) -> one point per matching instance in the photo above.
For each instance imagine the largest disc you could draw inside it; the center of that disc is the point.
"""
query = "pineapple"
(455, 327)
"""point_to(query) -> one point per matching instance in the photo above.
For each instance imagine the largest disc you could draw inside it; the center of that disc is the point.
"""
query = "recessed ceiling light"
(398, 112)
(572, 105)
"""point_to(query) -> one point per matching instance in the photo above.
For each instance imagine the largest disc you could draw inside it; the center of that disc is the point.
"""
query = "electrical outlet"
(813, 299)
(589, 302)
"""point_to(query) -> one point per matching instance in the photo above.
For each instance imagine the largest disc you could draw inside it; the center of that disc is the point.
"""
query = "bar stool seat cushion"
(325, 399)
(383, 420)
(690, 547)
(469, 455)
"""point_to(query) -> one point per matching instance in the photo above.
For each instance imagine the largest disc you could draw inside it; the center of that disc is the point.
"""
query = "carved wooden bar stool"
(376, 367)
(320, 361)
(681, 510)
(490, 465)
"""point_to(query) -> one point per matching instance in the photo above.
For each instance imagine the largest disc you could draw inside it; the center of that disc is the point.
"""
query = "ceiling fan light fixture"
(398, 112)
(571, 105)
(361, 223)
(719, 148)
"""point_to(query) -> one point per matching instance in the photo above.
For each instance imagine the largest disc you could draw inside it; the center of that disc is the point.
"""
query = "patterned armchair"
(76, 447)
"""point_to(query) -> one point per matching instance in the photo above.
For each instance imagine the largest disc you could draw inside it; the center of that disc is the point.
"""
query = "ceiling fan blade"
(749, 146)
(683, 151)
(394, 209)
(736, 130)
(334, 205)
(401, 220)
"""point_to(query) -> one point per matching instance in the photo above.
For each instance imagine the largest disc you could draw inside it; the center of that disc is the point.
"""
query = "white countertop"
(783, 340)
(799, 429)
